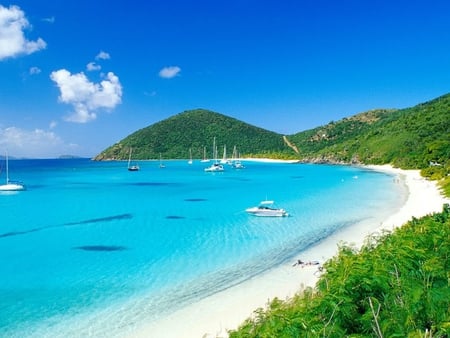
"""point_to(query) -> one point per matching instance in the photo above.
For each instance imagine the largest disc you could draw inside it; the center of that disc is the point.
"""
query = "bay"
(92, 249)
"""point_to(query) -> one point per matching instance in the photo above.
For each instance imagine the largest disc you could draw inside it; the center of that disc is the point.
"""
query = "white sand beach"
(214, 315)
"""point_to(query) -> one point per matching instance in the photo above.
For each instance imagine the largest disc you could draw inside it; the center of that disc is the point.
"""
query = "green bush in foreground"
(396, 285)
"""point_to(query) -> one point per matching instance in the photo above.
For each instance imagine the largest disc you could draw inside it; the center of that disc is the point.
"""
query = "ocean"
(92, 249)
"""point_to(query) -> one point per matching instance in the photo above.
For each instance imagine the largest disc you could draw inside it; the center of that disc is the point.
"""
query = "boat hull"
(215, 168)
(12, 187)
(267, 212)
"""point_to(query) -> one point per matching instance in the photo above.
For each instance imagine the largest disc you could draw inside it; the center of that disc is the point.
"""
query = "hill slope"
(196, 129)
(407, 138)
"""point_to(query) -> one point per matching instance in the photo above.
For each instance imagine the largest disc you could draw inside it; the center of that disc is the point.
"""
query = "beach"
(215, 315)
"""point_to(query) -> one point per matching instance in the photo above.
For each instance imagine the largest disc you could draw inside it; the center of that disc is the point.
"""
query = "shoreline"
(211, 317)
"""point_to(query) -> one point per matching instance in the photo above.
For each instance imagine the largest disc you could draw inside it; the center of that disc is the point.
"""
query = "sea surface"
(91, 249)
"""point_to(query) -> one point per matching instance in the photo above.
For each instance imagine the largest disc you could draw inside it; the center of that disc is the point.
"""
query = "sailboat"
(190, 156)
(205, 159)
(216, 166)
(161, 164)
(224, 158)
(10, 186)
(237, 164)
(133, 167)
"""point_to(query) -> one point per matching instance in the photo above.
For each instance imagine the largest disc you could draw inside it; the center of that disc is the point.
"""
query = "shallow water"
(93, 249)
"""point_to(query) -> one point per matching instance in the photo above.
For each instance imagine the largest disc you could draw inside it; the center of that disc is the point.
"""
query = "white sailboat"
(190, 156)
(205, 159)
(161, 164)
(10, 186)
(224, 158)
(237, 164)
(133, 167)
(216, 166)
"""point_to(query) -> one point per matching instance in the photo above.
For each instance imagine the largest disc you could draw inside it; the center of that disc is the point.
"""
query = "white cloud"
(35, 70)
(35, 143)
(12, 38)
(53, 124)
(92, 66)
(102, 56)
(169, 72)
(87, 97)
(49, 20)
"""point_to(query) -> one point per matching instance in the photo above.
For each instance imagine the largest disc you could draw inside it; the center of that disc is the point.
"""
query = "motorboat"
(266, 209)
(215, 167)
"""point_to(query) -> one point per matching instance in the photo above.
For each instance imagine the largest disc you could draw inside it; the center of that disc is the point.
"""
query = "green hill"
(412, 138)
(195, 129)
(407, 138)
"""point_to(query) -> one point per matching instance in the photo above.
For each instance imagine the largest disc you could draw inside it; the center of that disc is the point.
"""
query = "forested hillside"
(407, 138)
(195, 130)
(412, 138)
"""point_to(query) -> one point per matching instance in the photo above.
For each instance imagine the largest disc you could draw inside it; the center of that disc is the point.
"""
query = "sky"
(77, 76)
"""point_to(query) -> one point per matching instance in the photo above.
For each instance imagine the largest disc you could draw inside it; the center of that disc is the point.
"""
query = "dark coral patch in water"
(195, 199)
(175, 217)
(101, 248)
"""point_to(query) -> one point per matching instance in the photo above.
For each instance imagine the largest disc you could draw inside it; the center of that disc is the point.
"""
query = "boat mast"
(129, 158)
(7, 170)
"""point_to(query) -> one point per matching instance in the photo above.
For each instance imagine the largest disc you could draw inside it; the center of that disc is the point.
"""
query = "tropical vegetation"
(196, 130)
(411, 138)
(396, 285)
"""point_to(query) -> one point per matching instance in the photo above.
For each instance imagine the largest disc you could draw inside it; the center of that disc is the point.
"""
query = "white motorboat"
(215, 167)
(267, 209)
(9, 185)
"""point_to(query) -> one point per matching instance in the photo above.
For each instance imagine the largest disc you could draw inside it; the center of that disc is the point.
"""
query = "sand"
(214, 315)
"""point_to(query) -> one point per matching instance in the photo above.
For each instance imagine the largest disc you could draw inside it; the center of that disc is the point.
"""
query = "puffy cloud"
(169, 72)
(92, 66)
(87, 97)
(35, 70)
(36, 143)
(102, 56)
(12, 38)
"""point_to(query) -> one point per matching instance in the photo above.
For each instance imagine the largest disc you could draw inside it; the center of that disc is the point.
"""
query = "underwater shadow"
(195, 199)
(106, 248)
(88, 221)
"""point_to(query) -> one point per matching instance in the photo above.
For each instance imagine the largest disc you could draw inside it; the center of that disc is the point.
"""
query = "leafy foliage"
(397, 285)
(412, 138)
(195, 130)
(409, 138)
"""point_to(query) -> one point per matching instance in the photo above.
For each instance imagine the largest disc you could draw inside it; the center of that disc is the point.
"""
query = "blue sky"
(77, 76)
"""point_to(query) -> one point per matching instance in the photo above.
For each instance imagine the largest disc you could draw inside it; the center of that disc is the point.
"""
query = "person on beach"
(299, 262)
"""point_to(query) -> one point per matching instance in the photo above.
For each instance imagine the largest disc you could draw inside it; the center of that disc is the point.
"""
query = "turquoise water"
(93, 249)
